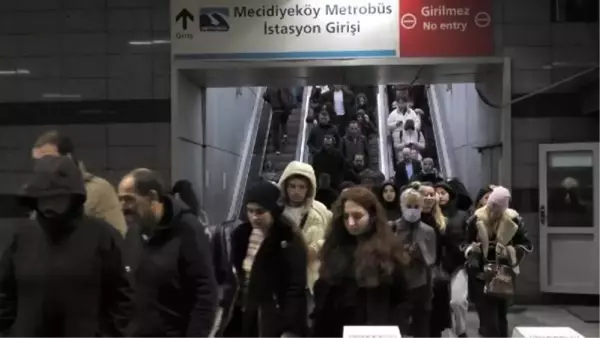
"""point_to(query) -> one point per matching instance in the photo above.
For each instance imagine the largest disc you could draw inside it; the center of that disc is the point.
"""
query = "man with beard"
(176, 290)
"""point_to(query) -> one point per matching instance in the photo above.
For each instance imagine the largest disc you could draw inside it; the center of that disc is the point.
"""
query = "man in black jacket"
(176, 290)
(317, 134)
(280, 100)
(62, 274)
(329, 160)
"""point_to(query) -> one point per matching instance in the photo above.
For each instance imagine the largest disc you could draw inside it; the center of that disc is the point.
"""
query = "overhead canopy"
(357, 72)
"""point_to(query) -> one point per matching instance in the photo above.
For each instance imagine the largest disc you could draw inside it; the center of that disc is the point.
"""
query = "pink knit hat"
(499, 197)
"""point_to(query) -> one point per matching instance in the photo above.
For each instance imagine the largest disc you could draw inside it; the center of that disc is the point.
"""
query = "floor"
(538, 316)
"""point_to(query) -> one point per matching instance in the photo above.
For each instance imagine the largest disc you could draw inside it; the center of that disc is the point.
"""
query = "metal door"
(568, 218)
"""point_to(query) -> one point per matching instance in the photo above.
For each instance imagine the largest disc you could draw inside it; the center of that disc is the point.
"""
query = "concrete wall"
(470, 124)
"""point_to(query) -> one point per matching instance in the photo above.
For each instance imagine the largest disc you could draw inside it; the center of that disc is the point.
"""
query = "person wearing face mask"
(62, 275)
(432, 215)
(265, 294)
(390, 200)
(172, 257)
(420, 242)
(495, 233)
(362, 267)
(453, 259)
(428, 172)
(408, 137)
(355, 143)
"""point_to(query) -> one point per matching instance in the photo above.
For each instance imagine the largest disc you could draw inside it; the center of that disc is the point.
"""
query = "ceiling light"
(61, 96)
(15, 72)
(140, 43)
(149, 42)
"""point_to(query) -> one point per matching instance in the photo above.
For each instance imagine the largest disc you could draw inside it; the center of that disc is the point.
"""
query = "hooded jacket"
(316, 215)
(64, 275)
(176, 289)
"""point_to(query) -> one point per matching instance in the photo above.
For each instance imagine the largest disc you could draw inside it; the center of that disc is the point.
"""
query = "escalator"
(375, 147)
(432, 150)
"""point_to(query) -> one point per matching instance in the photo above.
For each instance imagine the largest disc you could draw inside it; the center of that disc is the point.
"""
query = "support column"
(188, 123)
(506, 125)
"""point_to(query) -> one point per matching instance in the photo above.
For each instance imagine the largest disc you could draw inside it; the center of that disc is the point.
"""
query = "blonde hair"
(436, 210)
(409, 195)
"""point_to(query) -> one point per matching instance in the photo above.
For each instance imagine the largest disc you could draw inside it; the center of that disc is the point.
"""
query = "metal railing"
(253, 152)
(302, 153)
(438, 122)
(386, 163)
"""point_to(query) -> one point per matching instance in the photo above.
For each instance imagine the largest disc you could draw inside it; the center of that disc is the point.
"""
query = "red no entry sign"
(445, 28)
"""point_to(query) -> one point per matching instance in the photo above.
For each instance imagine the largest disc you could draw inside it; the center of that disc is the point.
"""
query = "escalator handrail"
(302, 153)
(437, 120)
(385, 149)
(247, 154)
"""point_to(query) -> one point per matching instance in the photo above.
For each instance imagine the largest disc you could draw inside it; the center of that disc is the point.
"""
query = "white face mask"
(411, 215)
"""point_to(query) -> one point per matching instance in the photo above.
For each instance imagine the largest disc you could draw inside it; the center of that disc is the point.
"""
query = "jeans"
(492, 311)
(459, 290)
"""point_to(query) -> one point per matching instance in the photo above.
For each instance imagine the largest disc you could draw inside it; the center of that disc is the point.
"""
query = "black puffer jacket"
(63, 275)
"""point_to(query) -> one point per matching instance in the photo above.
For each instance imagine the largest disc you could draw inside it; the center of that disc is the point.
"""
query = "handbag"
(499, 280)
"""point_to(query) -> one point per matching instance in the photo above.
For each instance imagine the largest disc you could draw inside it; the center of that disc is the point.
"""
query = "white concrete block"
(546, 332)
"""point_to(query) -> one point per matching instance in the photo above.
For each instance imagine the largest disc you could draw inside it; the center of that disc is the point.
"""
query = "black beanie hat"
(267, 195)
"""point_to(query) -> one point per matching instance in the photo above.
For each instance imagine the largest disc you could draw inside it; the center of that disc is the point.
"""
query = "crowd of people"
(326, 246)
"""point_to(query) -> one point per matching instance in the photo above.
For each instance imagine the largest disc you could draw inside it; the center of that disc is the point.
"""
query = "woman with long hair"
(453, 260)
(361, 276)
(390, 200)
(433, 216)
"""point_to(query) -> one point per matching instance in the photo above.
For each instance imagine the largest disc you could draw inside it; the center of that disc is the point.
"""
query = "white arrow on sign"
(482, 19)
(408, 21)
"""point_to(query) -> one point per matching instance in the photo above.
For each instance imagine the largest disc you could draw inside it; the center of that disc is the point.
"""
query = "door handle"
(542, 215)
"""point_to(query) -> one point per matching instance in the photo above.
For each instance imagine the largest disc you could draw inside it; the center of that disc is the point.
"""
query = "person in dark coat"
(355, 143)
(428, 172)
(367, 127)
(265, 296)
(481, 198)
(176, 290)
(331, 161)
(325, 193)
(362, 263)
(453, 259)
(63, 273)
(432, 215)
(280, 100)
(406, 169)
(390, 200)
(317, 134)
(495, 234)
(362, 103)
(463, 198)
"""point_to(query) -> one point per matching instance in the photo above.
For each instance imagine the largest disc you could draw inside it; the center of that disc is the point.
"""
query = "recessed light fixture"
(149, 42)
(61, 96)
(14, 72)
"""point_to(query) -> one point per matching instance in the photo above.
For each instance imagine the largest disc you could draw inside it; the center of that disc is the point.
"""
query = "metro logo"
(445, 28)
